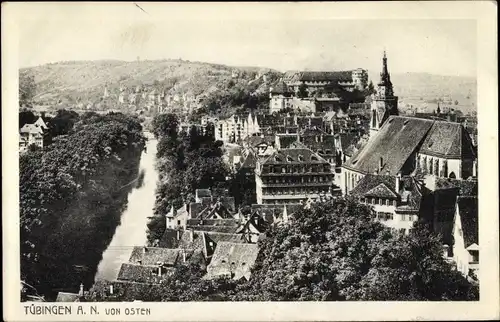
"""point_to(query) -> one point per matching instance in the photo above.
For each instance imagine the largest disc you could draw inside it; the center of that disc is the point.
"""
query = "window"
(380, 201)
(394, 203)
(178, 222)
(373, 201)
(387, 202)
(314, 158)
(403, 217)
(289, 158)
(301, 158)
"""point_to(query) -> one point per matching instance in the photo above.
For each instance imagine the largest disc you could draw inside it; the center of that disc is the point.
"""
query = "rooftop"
(394, 143)
(234, 259)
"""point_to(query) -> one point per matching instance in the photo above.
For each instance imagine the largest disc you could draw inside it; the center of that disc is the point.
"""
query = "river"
(132, 229)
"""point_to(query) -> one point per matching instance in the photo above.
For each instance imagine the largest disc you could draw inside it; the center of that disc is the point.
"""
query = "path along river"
(132, 229)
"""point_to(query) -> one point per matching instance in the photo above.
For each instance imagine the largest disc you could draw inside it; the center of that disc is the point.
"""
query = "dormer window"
(276, 158)
(289, 158)
(301, 158)
(314, 158)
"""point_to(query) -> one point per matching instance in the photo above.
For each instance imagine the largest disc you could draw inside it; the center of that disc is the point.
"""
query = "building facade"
(291, 176)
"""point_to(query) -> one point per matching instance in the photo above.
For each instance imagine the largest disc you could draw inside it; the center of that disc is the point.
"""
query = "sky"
(280, 36)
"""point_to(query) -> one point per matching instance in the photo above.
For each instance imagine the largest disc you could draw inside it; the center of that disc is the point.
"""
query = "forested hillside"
(72, 194)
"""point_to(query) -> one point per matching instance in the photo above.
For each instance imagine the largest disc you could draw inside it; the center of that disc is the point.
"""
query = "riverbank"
(132, 229)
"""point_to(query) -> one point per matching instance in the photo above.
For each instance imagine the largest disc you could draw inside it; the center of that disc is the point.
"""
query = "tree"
(165, 125)
(26, 117)
(302, 93)
(63, 122)
(27, 88)
(371, 89)
(336, 251)
(412, 267)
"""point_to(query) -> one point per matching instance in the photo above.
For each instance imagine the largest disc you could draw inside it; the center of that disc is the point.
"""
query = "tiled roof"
(381, 191)
(234, 259)
(217, 237)
(249, 162)
(67, 297)
(280, 88)
(141, 273)
(468, 209)
(292, 154)
(337, 76)
(219, 229)
(447, 139)
(197, 243)
(31, 128)
(377, 186)
(394, 143)
(154, 255)
(223, 208)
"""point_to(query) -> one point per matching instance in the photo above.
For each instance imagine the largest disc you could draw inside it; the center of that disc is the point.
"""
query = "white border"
(485, 14)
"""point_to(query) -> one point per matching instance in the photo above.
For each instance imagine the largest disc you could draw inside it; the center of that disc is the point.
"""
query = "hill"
(84, 81)
(65, 84)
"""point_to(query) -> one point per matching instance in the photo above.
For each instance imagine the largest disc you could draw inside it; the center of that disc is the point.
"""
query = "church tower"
(384, 103)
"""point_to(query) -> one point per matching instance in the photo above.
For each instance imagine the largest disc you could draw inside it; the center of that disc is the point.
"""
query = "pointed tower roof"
(385, 78)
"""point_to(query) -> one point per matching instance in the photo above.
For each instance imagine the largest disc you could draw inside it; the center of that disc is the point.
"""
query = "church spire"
(385, 77)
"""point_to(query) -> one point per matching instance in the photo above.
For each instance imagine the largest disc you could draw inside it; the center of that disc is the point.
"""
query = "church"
(400, 145)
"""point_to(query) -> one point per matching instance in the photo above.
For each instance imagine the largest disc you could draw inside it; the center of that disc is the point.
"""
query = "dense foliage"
(27, 88)
(71, 197)
(334, 251)
(234, 96)
(186, 162)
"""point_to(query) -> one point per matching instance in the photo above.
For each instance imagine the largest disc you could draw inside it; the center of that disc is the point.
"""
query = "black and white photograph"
(261, 152)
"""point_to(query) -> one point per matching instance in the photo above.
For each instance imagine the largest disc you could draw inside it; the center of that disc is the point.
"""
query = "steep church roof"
(393, 144)
(447, 139)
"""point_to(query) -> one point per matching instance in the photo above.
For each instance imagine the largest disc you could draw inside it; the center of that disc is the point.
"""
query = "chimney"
(398, 181)
(80, 293)
(380, 164)
(111, 289)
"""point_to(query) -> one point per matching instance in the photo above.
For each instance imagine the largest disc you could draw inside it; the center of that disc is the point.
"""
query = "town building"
(397, 201)
(465, 236)
(208, 204)
(404, 145)
(349, 80)
(293, 175)
(232, 260)
(236, 128)
(32, 134)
